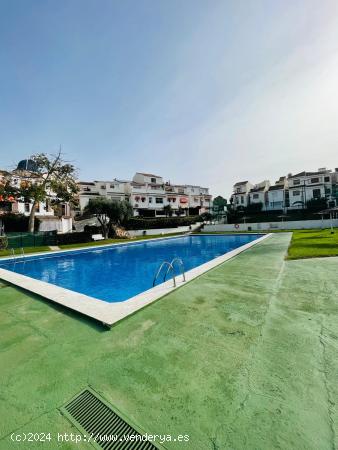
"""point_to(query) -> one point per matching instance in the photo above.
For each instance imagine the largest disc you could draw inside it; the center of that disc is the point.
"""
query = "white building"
(240, 194)
(259, 194)
(149, 195)
(306, 186)
(115, 190)
(291, 192)
(278, 196)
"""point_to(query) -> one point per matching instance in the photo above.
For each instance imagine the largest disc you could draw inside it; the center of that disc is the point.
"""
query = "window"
(327, 191)
(112, 186)
(316, 193)
(103, 186)
(153, 180)
(314, 180)
(327, 179)
(26, 207)
(159, 200)
(242, 199)
(255, 196)
(296, 182)
(150, 199)
(295, 193)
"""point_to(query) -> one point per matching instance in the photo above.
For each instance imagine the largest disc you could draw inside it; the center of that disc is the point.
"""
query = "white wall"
(164, 230)
(297, 224)
(63, 225)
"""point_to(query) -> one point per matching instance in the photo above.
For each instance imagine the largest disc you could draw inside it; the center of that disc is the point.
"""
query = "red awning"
(183, 200)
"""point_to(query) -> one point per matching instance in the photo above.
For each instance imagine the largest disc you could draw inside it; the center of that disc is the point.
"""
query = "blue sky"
(205, 92)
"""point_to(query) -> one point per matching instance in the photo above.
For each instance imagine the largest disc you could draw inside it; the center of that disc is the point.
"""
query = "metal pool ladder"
(170, 268)
(180, 265)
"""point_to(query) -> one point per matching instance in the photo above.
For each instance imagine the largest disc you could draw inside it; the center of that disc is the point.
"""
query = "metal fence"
(38, 239)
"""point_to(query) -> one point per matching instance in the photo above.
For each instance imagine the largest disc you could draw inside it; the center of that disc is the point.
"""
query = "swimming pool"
(119, 272)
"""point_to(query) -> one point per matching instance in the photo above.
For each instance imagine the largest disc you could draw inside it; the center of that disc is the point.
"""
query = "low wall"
(164, 230)
(63, 225)
(292, 225)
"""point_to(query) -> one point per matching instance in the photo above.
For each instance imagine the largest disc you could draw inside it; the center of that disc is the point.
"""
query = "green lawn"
(313, 243)
(27, 250)
(242, 358)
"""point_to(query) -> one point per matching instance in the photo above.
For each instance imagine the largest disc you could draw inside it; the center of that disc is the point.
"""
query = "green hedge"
(160, 222)
(272, 216)
(73, 238)
(18, 222)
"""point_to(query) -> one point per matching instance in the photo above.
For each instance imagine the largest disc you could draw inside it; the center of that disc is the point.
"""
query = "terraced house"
(149, 195)
(289, 192)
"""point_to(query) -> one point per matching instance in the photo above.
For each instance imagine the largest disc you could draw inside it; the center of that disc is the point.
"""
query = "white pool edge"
(111, 313)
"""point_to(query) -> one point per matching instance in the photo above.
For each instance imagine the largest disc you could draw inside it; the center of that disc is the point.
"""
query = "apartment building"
(278, 196)
(306, 186)
(115, 190)
(289, 192)
(258, 194)
(240, 196)
(149, 195)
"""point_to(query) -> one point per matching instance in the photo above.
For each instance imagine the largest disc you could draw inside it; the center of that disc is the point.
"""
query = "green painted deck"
(244, 357)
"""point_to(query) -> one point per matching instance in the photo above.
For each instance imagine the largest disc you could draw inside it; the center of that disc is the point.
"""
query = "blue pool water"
(116, 273)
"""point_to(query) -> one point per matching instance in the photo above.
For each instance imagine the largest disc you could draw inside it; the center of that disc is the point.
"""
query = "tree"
(53, 179)
(206, 216)
(109, 212)
(168, 210)
(254, 208)
(220, 202)
(316, 204)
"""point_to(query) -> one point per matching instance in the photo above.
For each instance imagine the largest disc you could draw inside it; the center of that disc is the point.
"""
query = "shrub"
(92, 229)
(254, 208)
(160, 222)
(74, 238)
(17, 222)
(316, 204)
(3, 242)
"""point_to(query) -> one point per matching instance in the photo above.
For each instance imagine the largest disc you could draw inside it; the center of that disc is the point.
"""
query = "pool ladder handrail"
(170, 267)
(14, 257)
(181, 266)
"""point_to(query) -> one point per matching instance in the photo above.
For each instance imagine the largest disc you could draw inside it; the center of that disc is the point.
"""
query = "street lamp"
(330, 211)
(283, 216)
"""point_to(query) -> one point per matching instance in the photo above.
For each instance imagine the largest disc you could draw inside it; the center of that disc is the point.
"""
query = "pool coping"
(111, 313)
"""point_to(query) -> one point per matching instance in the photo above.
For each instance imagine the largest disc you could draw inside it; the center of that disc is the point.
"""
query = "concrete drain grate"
(103, 426)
